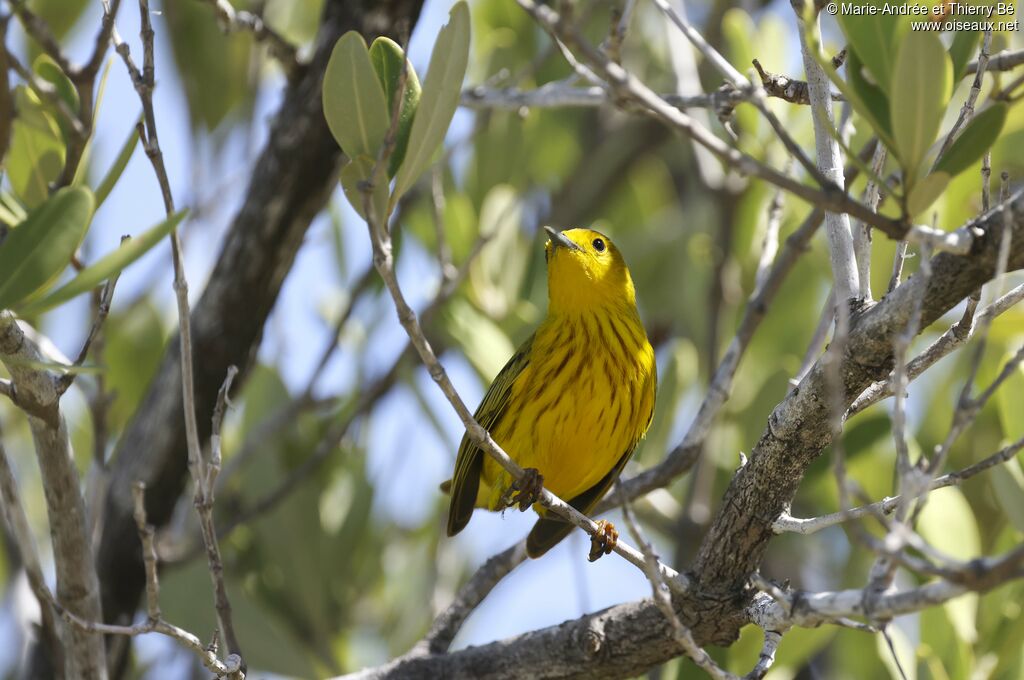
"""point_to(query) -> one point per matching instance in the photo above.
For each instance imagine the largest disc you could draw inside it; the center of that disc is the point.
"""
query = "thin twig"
(561, 94)
(897, 266)
(39, 30)
(232, 19)
(786, 88)
(901, 345)
(146, 533)
(770, 240)
(954, 337)
(967, 110)
(620, 24)
(444, 253)
(1000, 61)
(102, 311)
(980, 575)
(144, 82)
(87, 73)
(231, 667)
(716, 59)
(767, 656)
(986, 180)
(663, 600)
(861, 232)
(204, 497)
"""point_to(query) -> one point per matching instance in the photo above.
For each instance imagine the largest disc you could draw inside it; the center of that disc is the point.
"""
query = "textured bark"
(629, 639)
(293, 178)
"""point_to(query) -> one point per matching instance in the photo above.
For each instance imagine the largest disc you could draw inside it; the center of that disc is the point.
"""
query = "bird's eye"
(599, 245)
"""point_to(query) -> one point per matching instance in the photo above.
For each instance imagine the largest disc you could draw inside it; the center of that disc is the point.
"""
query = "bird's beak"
(559, 240)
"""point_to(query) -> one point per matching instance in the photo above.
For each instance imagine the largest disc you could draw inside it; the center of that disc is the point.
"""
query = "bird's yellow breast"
(582, 402)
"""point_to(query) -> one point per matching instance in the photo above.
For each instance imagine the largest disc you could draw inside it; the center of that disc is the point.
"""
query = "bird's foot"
(527, 490)
(604, 541)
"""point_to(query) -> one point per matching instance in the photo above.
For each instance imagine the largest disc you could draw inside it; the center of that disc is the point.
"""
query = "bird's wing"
(469, 463)
(547, 532)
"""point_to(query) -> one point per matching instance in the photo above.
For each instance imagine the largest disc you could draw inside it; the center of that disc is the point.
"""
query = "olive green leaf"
(388, 59)
(871, 101)
(353, 99)
(36, 154)
(37, 250)
(924, 192)
(441, 91)
(921, 87)
(975, 139)
(1008, 483)
(964, 47)
(874, 37)
(109, 265)
(82, 171)
(1008, 400)
(48, 70)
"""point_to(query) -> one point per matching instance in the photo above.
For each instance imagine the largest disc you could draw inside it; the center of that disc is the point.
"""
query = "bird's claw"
(604, 540)
(527, 489)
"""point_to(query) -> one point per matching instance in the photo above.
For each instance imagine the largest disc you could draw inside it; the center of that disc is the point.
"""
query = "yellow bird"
(572, 403)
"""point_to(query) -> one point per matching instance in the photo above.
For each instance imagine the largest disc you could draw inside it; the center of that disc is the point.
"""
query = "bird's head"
(586, 270)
